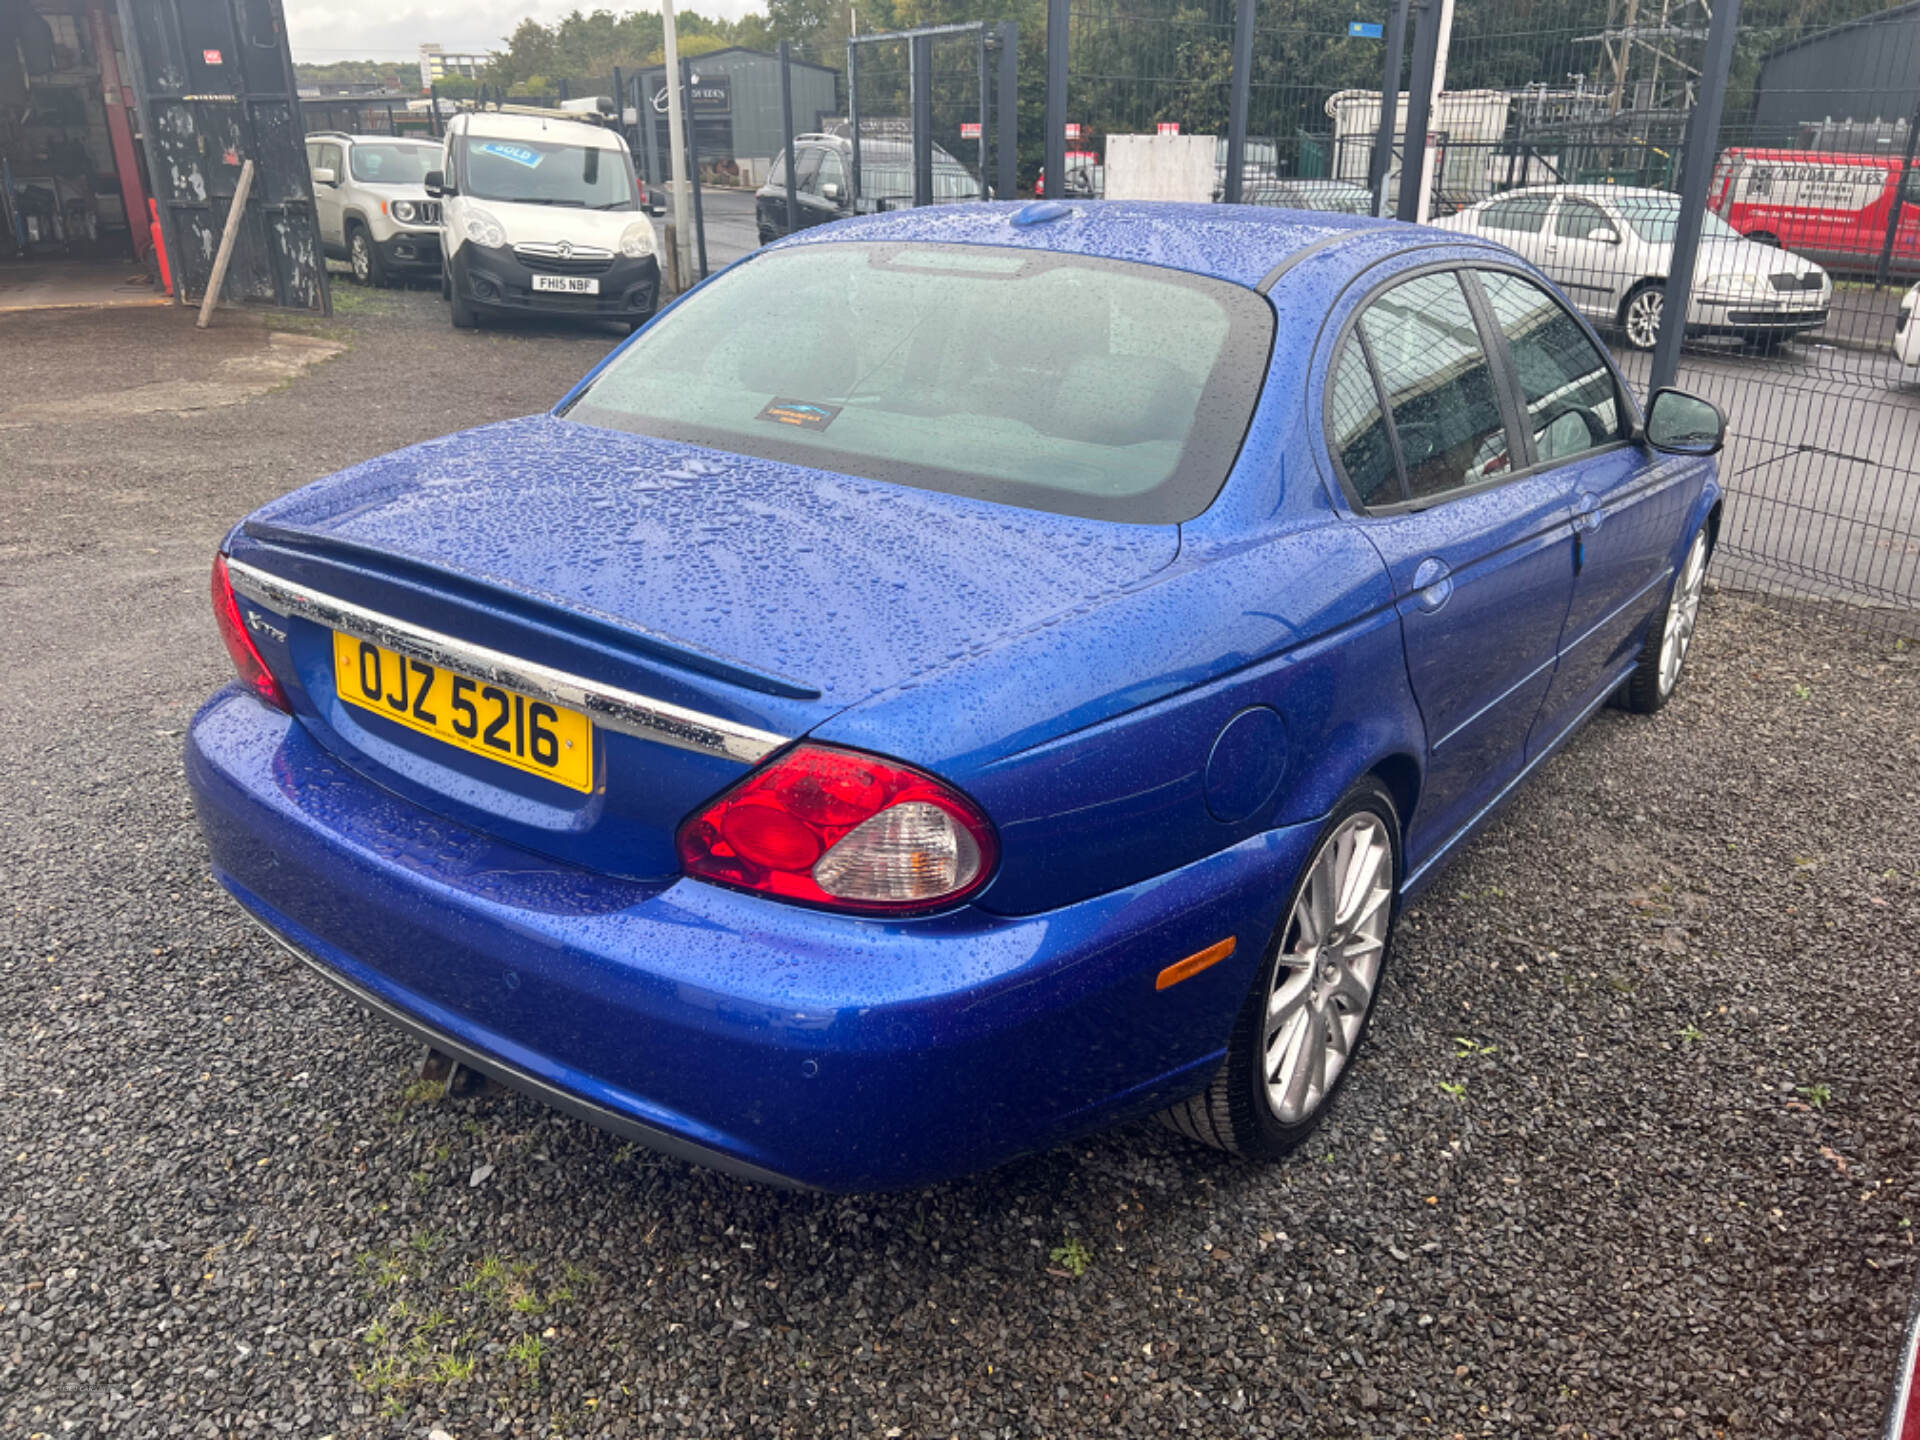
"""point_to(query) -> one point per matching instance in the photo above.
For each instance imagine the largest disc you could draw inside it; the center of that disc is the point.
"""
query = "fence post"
(1237, 101)
(853, 115)
(986, 101)
(1884, 271)
(920, 87)
(1413, 158)
(1380, 163)
(1696, 177)
(1006, 135)
(786, 122)
(643, 108)
(1055, 152)
(693, 166)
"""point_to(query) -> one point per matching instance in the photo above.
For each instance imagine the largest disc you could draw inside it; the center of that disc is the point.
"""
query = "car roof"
(1615, 192)
(562, 129)
(1243, 244)
(1869, 158)
(872, 149)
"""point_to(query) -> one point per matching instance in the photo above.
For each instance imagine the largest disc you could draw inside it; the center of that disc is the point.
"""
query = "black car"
(823, 182)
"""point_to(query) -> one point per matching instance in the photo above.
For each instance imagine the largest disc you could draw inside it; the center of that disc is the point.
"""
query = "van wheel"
(465, 317)
(1640, 314)
(364, 257)
(1308, 1010)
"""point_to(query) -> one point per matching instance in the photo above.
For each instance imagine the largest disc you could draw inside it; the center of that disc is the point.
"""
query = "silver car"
(1610, 247)
(373, 210)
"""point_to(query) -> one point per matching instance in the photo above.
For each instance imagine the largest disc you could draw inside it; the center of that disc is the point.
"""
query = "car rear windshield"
(547, 172)
(393, 164)
(1083, 386)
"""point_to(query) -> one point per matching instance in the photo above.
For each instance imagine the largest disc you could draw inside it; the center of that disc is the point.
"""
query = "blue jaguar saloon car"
(958, 679)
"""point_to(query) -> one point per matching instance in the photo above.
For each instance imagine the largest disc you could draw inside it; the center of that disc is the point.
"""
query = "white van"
(540, 215)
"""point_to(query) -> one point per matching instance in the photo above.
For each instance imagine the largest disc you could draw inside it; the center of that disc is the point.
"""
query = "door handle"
(1586, 512)
(1432, 584)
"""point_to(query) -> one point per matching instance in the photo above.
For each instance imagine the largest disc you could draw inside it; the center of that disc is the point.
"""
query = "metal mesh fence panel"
(1560, 133)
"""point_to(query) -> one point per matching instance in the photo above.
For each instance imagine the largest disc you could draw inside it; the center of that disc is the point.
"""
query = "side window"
(778, 174)
(1572, 402)
(1357, 430)
(807, 166)
(1578, 219)
(333, 159)
(1523, 214)
(1439, 384)
(831, 172)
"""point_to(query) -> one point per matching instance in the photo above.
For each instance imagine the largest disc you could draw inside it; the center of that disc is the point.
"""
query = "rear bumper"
(776, 1042)
(495, 280)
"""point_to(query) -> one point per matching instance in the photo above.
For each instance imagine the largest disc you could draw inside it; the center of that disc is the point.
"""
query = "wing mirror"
(1604, 234)
(325, 175)
(830, 191)
(1683, 424)
(434, 182)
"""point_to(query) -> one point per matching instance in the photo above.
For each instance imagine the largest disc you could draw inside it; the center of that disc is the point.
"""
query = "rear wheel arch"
(1713, 525)
(1401, 774)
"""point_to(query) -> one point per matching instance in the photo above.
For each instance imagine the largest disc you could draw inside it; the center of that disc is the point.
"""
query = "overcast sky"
(323, 30)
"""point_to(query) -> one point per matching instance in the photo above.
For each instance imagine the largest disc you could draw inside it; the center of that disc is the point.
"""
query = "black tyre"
(1663, 654)
(465, 317)
(1308, 1011)
(364, 256)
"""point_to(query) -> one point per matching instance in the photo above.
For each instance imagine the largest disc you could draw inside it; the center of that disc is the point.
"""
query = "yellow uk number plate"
(478, 717)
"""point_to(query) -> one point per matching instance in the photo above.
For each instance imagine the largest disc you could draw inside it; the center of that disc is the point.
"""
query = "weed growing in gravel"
(1073, 1257)
(1692, 1033)
(1469, 1049)
(1817, 1095)
(527, 1353)
(1803, 692)
(1456, 1088)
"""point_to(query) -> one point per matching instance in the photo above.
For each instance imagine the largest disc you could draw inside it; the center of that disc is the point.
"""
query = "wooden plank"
(235, 214)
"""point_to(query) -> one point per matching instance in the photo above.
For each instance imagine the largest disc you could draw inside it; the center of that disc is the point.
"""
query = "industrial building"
(734, 105)
(1866, 72)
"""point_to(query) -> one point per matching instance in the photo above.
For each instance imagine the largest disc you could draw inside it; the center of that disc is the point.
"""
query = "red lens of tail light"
(844, 830)
(254, 673)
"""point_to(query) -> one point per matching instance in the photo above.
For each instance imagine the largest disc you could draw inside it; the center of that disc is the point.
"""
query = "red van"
(1831, 208)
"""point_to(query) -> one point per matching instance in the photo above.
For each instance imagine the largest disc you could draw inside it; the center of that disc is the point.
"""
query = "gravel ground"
(1634, 1150)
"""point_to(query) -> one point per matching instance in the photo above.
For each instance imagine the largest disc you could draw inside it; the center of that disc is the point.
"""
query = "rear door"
(1482, 562)
(1519, 222)
(1583, 255)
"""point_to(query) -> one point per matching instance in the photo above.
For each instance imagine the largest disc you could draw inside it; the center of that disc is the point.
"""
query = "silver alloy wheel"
(1329, 963)
(1643, 317)
(362, 256)
(1682, 610)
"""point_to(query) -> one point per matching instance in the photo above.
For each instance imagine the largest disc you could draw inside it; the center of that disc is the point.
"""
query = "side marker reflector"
(1194, 964)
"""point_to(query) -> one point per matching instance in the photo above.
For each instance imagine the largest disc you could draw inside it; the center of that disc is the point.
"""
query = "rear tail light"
(254, 673)
(845, 830)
